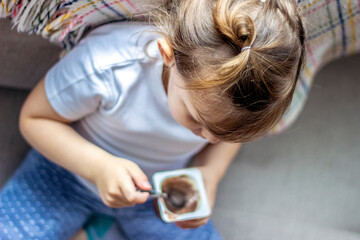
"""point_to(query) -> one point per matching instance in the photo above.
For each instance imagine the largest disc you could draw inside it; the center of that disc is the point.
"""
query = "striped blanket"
(332, 26)
(64, 22)
(333, 31)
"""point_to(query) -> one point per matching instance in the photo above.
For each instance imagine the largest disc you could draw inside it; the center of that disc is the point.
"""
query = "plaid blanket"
(332, 26)
(65, 21)
(333, 31)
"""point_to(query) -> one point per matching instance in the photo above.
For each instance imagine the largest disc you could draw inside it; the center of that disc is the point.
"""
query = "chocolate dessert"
(182, 194)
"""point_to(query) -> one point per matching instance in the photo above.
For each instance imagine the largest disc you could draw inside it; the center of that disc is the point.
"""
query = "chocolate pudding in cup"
(186, 196)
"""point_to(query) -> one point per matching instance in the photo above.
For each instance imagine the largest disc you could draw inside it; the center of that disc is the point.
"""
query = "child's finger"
(115, 200)
(138, 176)
(129, 191)
(136, 197)
(192, 223)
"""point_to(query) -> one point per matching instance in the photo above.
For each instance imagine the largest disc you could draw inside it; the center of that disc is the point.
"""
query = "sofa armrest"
(24, 58)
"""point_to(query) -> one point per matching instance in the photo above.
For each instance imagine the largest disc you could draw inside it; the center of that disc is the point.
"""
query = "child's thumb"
(139, 177)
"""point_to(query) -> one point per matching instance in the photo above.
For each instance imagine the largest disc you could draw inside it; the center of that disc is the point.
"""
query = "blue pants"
(44, 201)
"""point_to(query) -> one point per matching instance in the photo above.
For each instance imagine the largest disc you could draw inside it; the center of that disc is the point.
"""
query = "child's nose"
(213, 140)
(206, 134)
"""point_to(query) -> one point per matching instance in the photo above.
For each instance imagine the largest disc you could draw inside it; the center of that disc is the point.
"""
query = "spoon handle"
(155, 194)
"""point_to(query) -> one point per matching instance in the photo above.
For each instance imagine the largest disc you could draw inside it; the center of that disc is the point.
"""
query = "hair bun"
(235, 26)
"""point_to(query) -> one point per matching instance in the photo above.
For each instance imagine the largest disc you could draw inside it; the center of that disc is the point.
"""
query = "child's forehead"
(209, 104)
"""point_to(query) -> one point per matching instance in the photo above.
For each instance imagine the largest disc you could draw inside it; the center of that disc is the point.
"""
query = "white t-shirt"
(113, 91)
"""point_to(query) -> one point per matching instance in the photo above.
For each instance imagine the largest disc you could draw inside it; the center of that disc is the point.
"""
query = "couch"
(303, 184)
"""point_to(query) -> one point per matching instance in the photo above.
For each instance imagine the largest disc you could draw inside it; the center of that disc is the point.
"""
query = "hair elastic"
(244, 48)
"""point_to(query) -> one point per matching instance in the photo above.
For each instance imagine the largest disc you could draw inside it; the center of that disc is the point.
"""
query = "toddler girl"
(133, 99)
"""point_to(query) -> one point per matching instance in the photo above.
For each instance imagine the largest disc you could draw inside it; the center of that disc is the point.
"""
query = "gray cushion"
(24, 58)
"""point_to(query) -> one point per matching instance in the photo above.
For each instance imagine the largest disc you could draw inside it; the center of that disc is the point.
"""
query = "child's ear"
(166, 52)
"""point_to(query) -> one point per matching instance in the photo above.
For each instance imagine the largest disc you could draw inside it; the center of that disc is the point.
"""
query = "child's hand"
(211, 187)
(117, 180)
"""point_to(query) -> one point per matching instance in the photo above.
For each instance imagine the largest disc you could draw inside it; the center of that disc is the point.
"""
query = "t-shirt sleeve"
(75, 87)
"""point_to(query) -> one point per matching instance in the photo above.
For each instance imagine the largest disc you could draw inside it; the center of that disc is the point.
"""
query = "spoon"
(175, 198)
(155, 194)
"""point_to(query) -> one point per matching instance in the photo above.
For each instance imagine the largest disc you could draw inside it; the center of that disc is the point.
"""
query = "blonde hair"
(240, 60)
